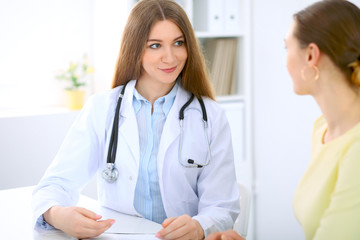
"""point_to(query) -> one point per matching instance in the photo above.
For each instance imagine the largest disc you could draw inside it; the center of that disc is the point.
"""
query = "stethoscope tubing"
(110, 174)
(192, 163)
(114, 133)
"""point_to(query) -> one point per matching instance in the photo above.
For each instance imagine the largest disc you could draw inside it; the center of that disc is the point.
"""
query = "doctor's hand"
(228, 235)
(183, 227)
(76, 221)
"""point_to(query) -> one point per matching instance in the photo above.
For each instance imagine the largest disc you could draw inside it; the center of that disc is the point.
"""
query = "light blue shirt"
(147, 199)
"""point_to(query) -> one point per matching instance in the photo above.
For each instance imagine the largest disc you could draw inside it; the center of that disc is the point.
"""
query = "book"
(221, 59)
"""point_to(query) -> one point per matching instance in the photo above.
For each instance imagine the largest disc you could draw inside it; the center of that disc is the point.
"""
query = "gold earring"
(355, 76)
(317, 73)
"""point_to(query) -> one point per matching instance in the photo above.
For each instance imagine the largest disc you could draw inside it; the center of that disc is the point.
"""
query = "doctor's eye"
(154, 46)
(179, 43)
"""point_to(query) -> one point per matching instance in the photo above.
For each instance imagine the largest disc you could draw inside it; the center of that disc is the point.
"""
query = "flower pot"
(75, 99)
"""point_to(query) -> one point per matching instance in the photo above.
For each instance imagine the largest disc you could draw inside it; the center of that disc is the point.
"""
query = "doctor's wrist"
(199, 229)
(50, 215)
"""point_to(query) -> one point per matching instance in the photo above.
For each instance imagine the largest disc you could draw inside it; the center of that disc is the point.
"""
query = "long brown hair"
(143, 16)
(334, 26)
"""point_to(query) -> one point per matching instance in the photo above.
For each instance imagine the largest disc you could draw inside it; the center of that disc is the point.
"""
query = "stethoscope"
(110, 173)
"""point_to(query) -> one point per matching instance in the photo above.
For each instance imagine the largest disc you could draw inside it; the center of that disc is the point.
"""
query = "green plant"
(75, 75)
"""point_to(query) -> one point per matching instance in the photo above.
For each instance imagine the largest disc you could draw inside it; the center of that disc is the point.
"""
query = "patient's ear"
(312, 54)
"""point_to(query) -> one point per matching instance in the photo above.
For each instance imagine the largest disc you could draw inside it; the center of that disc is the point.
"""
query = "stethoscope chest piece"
(110, 173)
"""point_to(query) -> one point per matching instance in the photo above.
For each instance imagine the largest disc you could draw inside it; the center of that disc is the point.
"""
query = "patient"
(323, 60)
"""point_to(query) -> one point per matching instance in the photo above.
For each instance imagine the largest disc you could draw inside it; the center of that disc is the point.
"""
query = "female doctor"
(149, 163)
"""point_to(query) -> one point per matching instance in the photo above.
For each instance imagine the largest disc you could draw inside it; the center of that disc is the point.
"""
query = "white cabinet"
(223, 30)
(218, 17)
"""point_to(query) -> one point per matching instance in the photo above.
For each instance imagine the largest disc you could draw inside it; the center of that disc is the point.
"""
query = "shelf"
(217, 35)
(230, 98)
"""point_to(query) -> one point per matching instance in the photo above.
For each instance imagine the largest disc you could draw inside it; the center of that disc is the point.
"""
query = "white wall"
(39, 37)
(282, 123)
(28, 144)
(109, 20)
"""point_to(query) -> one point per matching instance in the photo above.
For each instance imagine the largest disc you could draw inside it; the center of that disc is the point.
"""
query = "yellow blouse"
(327, 200)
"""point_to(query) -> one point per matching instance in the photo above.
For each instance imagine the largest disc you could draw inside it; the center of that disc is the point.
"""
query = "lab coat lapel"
(171, 129)
(128, 123)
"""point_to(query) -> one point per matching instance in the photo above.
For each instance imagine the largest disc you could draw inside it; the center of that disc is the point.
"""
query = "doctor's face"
(165, 54)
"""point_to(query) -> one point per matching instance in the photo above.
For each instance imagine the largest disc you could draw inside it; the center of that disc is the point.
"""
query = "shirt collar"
(137, 100)
(168, 100)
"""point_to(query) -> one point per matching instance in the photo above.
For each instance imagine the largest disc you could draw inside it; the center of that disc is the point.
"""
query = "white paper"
(107, 236)
(127, 223)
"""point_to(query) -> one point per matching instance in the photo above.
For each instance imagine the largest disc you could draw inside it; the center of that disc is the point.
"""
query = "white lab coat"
(209, 194)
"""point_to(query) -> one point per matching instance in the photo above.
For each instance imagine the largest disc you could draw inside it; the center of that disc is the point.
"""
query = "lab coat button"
(130, 178)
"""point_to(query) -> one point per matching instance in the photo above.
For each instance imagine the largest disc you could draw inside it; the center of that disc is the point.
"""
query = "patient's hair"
(334, 26)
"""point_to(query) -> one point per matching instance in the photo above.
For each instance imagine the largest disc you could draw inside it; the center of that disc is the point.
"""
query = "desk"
(16, 219)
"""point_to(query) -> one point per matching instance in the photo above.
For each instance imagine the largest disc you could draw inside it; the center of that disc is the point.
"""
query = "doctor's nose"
(168, 55)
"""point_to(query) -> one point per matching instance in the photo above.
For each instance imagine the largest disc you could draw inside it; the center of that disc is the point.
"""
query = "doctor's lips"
(168, 70)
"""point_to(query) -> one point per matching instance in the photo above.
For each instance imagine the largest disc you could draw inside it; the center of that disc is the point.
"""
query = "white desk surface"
(16, 219)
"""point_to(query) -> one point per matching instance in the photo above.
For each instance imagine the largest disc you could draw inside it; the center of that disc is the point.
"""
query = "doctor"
(177, 173)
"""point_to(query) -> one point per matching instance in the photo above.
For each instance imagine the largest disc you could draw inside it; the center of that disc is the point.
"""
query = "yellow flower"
(90, 70)
(75, 74)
